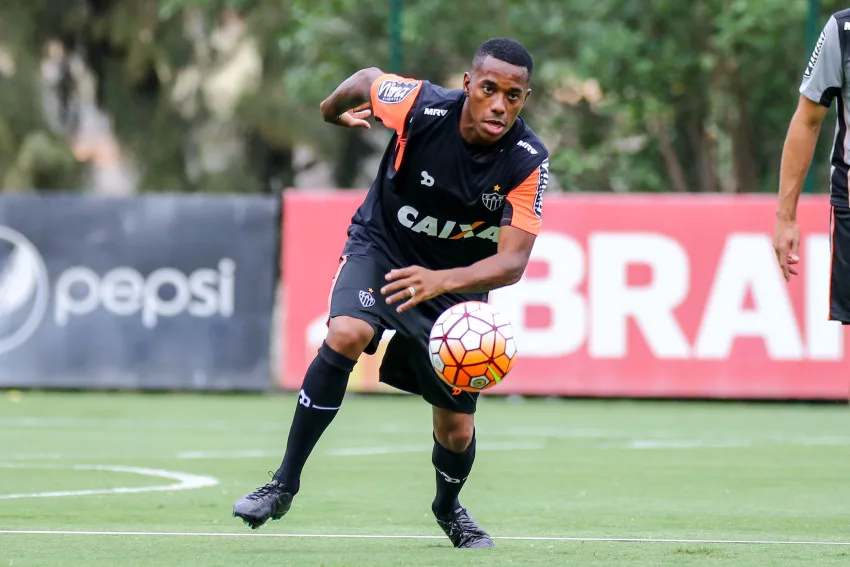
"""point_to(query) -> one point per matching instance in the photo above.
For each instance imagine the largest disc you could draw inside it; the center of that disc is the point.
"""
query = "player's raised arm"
(822, 81)
(371, 91)
(349, 104)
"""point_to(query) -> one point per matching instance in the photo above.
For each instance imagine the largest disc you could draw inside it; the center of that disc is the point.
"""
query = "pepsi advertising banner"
(162, 292)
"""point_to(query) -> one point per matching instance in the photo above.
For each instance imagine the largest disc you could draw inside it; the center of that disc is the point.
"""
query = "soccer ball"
(472, 346)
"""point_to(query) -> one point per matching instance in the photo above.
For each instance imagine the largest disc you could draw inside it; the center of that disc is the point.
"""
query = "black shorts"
(356, 292)
(839, 277)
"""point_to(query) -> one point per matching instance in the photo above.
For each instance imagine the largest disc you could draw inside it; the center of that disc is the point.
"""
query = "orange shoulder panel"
(526, 201)
(392, 98)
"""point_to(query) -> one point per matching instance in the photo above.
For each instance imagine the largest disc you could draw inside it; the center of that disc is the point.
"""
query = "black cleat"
(269, 501)
(463, 530)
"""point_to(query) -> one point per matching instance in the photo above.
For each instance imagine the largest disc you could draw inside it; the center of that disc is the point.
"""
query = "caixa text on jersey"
(448, 229)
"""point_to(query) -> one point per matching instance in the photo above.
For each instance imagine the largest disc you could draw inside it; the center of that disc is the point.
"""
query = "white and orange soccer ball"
(472, 346)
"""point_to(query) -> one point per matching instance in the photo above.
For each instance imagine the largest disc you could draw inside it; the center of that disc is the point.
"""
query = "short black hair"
(507, 50)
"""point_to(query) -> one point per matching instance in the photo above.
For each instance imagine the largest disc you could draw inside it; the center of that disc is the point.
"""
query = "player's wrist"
(448, 281)
(783, 215)
(329, 110)
(331, 116)
(786, 207)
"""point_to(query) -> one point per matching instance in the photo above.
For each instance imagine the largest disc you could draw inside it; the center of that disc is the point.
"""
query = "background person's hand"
(786, 244)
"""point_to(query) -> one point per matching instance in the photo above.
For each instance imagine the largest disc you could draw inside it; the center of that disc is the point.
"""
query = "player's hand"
(354, 118)
(411, 285)
(786, 244)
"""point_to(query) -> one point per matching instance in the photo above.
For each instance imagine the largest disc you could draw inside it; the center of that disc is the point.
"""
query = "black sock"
(452, 470)
(318, 402)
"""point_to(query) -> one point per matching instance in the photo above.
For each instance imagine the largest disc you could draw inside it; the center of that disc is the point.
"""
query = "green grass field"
(588, 472)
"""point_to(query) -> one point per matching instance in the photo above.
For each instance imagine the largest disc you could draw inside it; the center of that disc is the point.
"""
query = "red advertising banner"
(632, 295)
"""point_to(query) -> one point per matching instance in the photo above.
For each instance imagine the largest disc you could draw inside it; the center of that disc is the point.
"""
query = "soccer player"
(823, 81)
(452, 214)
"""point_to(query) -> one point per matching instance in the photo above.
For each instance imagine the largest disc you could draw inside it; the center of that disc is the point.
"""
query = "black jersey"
(438, 202)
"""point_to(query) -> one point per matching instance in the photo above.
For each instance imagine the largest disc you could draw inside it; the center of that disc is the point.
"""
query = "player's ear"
(466, 79)
(527, 94)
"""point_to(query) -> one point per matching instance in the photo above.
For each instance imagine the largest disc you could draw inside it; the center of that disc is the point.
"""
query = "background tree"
(222, 95)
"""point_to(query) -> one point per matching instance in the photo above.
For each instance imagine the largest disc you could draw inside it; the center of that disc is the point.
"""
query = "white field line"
(185, 481)
(531, 446)
(354, 451)
(130, 423)
(242, 454)
(609, 438)
(629, 444)
(415, 537)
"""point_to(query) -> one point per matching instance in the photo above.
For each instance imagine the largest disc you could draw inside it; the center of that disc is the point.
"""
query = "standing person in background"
(824, 80)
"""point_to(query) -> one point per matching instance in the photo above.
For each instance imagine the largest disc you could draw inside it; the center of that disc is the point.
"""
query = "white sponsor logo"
(123, 291)
(366, 299)
(166, 292)
(24, 289)
(542, 183)
(304, 399)
(528, 147)
(816, 53)
(408, 217)
(427, 180)
(593, 308)
(307, 402)
(449, 478)
(391, 91)
(435, 112)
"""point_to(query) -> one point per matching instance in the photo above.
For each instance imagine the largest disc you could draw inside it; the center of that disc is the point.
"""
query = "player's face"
(497, 91)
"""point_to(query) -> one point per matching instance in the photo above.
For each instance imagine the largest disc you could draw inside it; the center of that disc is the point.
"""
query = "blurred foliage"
(217, 95)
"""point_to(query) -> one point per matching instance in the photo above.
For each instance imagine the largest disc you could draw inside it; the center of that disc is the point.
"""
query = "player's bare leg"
(453, 455)
(318, 402)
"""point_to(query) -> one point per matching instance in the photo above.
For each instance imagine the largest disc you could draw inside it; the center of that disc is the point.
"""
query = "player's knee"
(454, 431)
(349, 336)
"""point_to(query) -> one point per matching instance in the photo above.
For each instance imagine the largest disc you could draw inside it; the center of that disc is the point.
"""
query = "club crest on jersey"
(366, 299)
(392, 91)
(493, 200)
